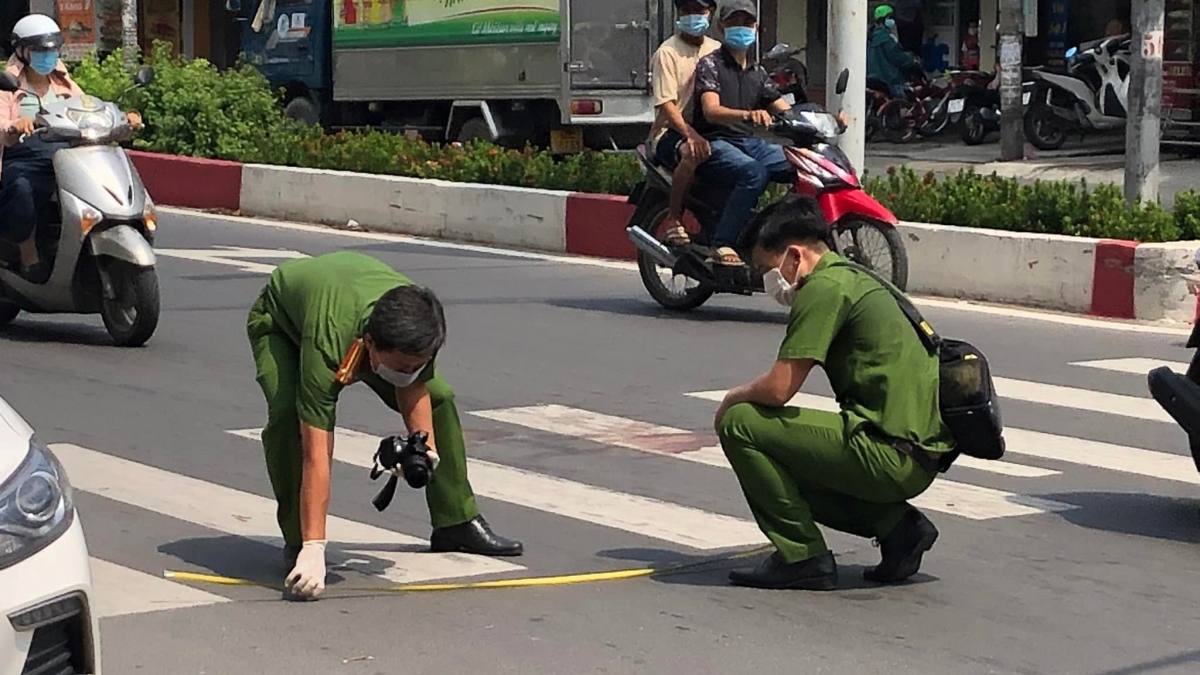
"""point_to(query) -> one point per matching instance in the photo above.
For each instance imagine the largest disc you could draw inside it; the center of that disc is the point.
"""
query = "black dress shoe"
(902, 549)
(814, 574)
(473, 536)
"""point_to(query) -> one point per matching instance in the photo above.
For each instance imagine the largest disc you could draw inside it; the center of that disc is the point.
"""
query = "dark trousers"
(30, 166)
(16, 209)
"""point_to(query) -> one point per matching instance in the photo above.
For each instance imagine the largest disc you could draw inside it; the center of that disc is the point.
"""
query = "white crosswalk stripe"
(120, 590)
(631, 513)
(1134, 366)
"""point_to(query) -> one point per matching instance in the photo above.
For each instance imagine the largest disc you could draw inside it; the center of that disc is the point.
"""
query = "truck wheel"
(475, 129)
(303, 110)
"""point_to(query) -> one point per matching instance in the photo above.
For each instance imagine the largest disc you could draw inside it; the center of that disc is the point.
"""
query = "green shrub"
(196, 110)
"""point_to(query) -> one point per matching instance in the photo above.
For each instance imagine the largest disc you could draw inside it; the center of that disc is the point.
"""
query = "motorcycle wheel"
(936, 123)
(1043, 130)
(132, 316)
(890, 263)
(652, 277)
(895, 123)
(972, 128)
(8, 313)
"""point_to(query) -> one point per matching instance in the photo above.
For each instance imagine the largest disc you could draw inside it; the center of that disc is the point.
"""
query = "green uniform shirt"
(323, 304)
(880, 370)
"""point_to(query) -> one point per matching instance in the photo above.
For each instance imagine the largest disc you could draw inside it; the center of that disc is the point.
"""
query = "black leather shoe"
(473, 536)
(902, 549)
(814, 574)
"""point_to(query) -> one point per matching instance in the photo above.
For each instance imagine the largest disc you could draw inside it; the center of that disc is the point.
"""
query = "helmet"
(883, 11)
(38, 32)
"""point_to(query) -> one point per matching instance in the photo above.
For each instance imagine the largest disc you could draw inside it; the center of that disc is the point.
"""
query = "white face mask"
(779, 288)
(396, 378)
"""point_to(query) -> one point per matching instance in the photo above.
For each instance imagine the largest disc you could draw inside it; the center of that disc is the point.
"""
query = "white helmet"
(38, 32)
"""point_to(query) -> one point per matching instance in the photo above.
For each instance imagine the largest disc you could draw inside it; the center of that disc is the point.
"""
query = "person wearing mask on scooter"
(675, 143)
(733, 93)
(853, 470)
(886, 59)
(27, 180)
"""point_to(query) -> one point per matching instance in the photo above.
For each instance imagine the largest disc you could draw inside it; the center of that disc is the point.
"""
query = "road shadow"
(650, 309)
(713, 570)
(25, 331)
(1147, 515)
(262, 563)
(1183, 658)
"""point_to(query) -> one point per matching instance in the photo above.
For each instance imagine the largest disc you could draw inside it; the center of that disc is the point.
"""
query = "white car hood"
(15, 433)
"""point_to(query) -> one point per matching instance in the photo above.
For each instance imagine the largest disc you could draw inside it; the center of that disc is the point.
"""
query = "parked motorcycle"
(789, 73)
(1179, 395)
(945, 104)
(1092, 96)
(981, 108)
(823, 171)
(97, 233)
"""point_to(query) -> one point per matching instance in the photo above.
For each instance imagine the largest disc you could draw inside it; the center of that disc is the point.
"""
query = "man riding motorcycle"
(887, 61)
(27, 180)
(733, 91)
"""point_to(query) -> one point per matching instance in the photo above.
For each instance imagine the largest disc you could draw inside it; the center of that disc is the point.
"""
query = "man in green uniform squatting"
(852, 471)
(321, 324)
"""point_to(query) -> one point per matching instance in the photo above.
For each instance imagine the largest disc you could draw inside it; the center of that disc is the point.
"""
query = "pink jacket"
(10, 102)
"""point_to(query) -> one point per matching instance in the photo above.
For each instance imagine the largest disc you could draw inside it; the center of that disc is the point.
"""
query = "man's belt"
(927, 461)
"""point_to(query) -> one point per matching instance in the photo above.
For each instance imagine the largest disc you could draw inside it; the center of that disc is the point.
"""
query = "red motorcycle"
(822, 171)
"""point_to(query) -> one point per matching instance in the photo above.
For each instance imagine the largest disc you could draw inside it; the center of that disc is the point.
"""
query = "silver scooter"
(98, 232)
(1092, 96)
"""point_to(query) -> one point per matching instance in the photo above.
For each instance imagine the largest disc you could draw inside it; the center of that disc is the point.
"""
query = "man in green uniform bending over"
(853, 470)
(321, 324)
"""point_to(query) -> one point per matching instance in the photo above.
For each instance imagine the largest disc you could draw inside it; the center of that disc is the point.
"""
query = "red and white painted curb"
(1105, 278)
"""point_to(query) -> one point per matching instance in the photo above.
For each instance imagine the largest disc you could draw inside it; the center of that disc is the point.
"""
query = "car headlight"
(37, 505)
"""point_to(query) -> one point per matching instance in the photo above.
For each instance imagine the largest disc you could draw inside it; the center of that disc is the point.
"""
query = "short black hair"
(409, 320)
(795, 219)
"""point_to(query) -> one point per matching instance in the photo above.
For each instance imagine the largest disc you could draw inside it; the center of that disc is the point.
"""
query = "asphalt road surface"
(589, 415)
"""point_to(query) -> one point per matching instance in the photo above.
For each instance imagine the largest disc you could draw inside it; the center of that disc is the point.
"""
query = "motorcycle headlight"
(92, 125)
(37, 506)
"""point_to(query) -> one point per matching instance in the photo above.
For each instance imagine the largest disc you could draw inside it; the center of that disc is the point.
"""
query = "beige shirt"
(674, 71)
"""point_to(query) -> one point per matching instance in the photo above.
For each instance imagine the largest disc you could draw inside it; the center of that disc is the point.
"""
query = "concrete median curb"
(1105, 278)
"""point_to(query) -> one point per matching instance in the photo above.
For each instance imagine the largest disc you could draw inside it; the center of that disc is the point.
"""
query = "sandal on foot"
(677, 236)
(726, 256)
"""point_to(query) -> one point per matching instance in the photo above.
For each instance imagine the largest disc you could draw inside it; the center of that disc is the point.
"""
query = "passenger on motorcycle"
(27, 179)
(886, 59)
(675, 144)
(732, 91)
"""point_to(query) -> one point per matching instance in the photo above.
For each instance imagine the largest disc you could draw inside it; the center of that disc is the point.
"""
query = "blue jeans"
(32, 162)
(744, 167)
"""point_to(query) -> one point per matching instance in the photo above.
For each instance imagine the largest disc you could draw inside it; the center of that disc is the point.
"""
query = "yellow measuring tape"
(526, 582)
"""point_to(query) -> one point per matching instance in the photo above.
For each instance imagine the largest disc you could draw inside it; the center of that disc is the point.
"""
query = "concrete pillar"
(848, 21)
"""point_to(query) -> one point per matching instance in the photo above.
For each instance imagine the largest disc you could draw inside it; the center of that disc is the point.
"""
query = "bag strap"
(933, 341)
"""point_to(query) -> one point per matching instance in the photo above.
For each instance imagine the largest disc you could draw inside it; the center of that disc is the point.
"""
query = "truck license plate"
(567, 140)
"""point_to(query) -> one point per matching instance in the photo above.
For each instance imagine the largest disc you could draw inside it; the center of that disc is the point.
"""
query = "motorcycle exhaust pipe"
(650, 246)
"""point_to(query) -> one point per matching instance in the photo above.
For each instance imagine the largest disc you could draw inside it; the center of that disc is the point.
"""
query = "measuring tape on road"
(525, 582)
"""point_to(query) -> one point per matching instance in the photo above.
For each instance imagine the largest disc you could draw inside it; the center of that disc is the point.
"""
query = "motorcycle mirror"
(8, 82)
(144, 76)
(843, 81)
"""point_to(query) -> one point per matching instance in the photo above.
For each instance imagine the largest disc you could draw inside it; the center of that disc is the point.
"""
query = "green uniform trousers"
(797, 468)
(277, 360)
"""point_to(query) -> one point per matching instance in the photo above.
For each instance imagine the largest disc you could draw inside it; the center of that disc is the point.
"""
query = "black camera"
(410, 457)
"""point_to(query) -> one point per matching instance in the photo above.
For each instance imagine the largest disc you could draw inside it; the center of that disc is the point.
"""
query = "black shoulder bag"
(966, 395)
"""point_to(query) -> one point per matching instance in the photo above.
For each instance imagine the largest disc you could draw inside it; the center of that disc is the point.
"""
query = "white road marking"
(119, 590)
(1094, 454)
(631, 513)
(231, 255)
(1137, 366)
(241, 514)
(959, 305)
(1082, 399)
(960, 499)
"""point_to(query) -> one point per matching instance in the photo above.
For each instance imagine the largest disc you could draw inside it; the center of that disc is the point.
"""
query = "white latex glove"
(307, 578)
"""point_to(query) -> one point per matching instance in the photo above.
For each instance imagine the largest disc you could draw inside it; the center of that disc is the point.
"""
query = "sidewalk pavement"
(1098, 159)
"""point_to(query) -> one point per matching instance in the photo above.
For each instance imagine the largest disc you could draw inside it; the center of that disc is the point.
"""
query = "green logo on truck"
(414, 23)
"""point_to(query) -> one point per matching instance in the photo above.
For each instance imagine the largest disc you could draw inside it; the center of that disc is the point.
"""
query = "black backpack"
(966, 395)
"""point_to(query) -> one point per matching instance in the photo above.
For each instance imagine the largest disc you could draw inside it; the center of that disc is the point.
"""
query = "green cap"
(883, 11)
